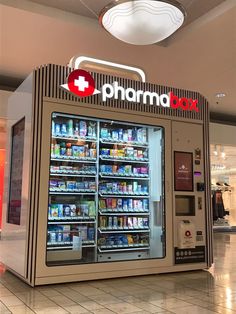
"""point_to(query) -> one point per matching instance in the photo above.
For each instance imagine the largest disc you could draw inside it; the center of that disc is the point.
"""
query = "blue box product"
(83, 232)
(145, 204)
(53, 183)
(82, 128)
(57, 129)
(145, 189)
(130, 134)
(140, 135)
(105, 152)
(104, 133)
(108, 168)
(130, 204)
(76, 151)
(120, 134)
(103, 168)
(64, 129)
(119, 203)
(66, 210)
(66, 233)
(115, 135)
(53, 128)
(60, 210)
(91, 234)
(125, 205)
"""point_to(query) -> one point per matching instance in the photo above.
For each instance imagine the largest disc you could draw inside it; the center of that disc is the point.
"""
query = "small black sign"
(196, 255)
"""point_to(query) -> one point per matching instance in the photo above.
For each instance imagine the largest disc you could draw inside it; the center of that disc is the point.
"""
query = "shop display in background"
(223, 178)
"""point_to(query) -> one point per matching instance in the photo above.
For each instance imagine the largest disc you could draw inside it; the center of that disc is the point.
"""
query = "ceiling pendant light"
(142, 22)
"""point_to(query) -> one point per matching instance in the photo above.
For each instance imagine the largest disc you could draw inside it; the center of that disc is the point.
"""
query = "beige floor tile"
(113, 291)
(75, 296)
(148, 307)
(103, 311)
(130, 299)
(88, 291)
(191, 310)
(123, 308)
(39, 304)
(50, 292)
(91, 305)
(105, 299)
(31, 296)
(221, 310)
(62, 300)
(5, 292)
(21, 309)
(4, 309)
(169, 303)
(51, 310)
(11, 300)
(76, 309)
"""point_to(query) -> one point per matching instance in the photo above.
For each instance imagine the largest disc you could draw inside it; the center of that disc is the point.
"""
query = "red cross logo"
(81, 83)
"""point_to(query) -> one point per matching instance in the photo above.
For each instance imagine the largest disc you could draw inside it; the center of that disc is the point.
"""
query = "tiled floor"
(202, 292)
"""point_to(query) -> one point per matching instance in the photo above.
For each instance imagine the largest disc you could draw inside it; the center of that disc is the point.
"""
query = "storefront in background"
(223, 176)
(108, 185)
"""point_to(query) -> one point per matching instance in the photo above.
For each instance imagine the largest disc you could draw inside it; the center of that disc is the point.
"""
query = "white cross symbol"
(81, 83)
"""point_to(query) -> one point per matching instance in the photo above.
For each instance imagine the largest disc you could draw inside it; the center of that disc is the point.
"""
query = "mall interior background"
(203, 52)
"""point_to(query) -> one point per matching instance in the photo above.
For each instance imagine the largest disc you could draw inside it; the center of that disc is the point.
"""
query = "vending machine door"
(104, 194)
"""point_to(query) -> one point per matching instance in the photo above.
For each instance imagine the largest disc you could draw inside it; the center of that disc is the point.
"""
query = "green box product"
(88, 208)
(92, 208)
(54, 210)
(102, 204)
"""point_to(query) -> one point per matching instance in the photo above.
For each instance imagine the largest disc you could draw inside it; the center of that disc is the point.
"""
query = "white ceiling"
(201, 56)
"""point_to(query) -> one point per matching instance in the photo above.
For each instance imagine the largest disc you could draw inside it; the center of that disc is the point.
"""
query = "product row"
(123, 170)
(125, 240)
(128, 152)
(124, 135)
(81, 169)
(57, 185)
(65, 233)
(71, 150)
(123, 222)
(74, 128)
(123, 187)
(119, 204)
(80, 210)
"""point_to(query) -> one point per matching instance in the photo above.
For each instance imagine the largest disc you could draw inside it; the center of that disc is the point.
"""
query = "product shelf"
(74, 192)
(124, 176)
(71, 222)
(68, 244)
(75, 138)
(124, 143)
(124, 213)
(73, 173)
(120, 248)
(124, 194)
(124, 159)
(74, 159)
(124, 230)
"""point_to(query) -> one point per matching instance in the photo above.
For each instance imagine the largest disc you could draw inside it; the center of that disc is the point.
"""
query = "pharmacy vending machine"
(108, 183)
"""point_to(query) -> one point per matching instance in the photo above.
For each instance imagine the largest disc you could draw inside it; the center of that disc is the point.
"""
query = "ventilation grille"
(54, 75)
